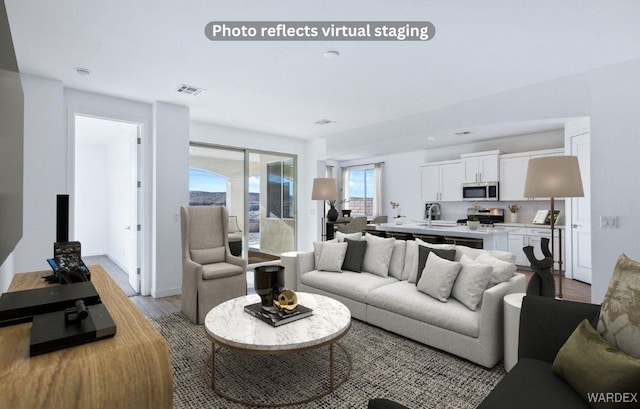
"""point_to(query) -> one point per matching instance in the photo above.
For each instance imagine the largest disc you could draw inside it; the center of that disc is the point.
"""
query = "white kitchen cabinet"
(481, 166)
(441, 181)
(513, 173)
(520, 237)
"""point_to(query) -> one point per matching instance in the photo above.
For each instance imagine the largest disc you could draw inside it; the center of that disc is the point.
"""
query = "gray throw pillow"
(378, 255)
(423, 254)
(438, 277)
(332, 257)
(471, 282)
(354, 257)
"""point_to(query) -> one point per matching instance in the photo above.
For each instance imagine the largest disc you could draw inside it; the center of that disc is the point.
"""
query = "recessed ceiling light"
(331, 54)
(324, 122)
(463, 133)
(190, 90)
(431, 138)
(82, 71)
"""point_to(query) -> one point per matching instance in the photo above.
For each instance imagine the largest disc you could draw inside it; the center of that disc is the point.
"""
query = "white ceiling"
(143, 50)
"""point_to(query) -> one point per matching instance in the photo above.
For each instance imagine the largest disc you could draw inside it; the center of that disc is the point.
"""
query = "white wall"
(45, 170)
(171, 190)
(91, 198)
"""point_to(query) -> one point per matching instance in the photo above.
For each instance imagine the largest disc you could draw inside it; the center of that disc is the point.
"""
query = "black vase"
(268, 282)
(332, 214)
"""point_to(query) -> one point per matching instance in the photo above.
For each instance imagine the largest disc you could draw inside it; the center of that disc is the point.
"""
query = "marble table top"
(229, 325)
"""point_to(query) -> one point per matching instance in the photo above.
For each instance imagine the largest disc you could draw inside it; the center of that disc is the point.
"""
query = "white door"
(581, 212)
(133, 253)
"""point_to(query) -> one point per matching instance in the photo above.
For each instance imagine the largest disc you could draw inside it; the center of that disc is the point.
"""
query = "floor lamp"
(554, 176)
(324, 189)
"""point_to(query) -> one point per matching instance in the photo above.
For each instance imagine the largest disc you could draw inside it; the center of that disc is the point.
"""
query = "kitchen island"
(487, 238)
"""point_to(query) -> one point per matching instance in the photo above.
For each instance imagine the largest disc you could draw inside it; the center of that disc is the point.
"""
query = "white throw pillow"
(438, 277)
(396, 264)
(317, 249)
(410, 262)
(502, 271)
(435, 246)
(471, 282)
(468, 251)
(340, 236)
(378, 255)
(332, 257)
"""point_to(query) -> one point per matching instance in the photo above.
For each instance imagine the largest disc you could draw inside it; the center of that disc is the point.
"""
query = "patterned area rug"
(384, 365)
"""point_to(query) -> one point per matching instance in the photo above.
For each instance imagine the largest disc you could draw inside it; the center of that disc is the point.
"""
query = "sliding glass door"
(258, 188)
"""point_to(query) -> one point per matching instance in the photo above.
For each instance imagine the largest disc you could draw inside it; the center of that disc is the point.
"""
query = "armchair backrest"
(204, 233)
(357, 224)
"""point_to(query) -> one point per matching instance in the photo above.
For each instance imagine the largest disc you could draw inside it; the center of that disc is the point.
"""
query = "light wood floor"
(152, 307)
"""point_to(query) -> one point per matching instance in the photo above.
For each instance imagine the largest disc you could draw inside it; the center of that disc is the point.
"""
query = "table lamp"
(554, 176)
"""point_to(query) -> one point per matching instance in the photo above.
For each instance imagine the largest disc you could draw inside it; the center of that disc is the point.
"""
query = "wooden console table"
(131, 370)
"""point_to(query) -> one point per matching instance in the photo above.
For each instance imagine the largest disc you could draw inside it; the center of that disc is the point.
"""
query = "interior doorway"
(106, 197)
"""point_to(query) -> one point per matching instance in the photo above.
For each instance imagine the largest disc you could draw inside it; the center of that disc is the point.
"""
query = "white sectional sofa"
(395, 304)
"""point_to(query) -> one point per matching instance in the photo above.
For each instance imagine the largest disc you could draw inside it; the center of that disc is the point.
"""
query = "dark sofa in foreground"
(545, 325)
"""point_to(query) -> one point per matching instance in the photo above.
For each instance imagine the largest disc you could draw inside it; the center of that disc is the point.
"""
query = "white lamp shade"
(553, 176)
(324, 189)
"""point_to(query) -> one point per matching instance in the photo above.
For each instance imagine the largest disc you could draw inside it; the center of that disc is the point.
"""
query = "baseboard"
(169, 292)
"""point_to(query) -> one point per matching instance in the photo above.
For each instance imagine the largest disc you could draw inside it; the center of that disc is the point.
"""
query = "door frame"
(110, 108)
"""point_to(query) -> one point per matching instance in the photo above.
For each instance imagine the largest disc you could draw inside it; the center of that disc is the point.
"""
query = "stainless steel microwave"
(481, 191)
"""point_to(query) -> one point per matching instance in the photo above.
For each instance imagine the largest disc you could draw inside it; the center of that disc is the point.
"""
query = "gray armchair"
(211, 275)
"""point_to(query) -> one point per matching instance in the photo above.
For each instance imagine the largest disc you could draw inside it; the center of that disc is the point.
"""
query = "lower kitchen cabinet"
(527, 236)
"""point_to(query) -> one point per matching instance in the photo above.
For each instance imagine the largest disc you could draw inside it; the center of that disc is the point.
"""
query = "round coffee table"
(229, 326)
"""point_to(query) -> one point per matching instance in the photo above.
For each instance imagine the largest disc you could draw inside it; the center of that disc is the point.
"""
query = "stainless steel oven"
(480, 191)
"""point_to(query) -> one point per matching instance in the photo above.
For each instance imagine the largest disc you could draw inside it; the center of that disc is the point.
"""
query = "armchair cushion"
(208, 256)
(220, 270)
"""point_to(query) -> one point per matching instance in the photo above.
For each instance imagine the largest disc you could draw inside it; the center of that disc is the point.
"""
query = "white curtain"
(377, 192)
(345, 187)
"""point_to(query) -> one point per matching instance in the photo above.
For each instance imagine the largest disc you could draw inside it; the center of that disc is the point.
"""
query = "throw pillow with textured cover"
(502, 270)
(423, 254)
(471, 282)
(619, 321)
(438, 277)
(396, 265)
(410, 261)
(332, 257)
(340, 236)
(317, 249)
(355, 255)
(595, 369)
(378, 255)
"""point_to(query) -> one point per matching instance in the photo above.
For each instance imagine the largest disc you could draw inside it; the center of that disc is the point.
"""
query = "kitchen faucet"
(429, 213)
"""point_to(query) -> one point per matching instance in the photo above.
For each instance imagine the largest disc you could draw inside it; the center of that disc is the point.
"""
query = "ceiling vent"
(324, 122)
(190, 90)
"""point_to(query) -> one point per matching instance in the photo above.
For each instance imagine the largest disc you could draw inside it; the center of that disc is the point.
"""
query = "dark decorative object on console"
(332, 214)
(346, 212)
(542, 283)
(268, 282)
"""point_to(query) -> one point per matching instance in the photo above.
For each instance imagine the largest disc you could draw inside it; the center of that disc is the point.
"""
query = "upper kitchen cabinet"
(481, 166)
(441, 181)
(513, 172)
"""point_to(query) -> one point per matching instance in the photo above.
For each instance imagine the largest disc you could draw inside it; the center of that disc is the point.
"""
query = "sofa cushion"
(354, 257)
(348, 284)
(501, 270)
(209, 256)
(532, 385)
(590, 365)
(471, 282)
(378, 255)
(332, 256)
(438, 277)
(340, 236)
(220, 270)
(396, 265)
(415, 267)
(403, 298)
(473, 253)
(619, 321)
(423, 254)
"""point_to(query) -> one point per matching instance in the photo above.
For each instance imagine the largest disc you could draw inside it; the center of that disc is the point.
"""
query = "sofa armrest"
(546, 323)
(305, 262)
(491, 310)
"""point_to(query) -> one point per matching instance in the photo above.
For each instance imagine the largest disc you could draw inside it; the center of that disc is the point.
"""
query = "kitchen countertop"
(441, 229)
(530, 225)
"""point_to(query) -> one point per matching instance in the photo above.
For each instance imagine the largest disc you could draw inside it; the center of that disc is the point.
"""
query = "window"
(280, 189)
(360, 192)
(207, 188)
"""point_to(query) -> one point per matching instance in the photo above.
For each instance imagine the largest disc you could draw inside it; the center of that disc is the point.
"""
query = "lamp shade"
(324, 189)
(553, 176)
